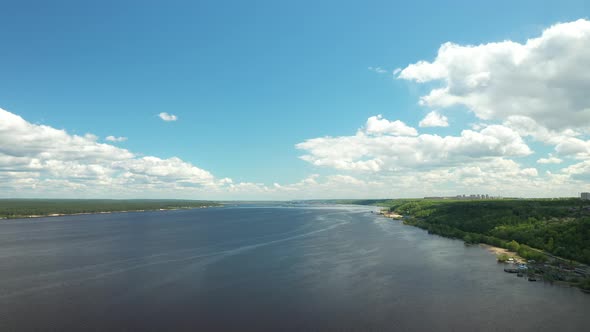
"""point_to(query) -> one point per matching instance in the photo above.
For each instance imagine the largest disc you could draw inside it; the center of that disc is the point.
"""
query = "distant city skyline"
(278, 101)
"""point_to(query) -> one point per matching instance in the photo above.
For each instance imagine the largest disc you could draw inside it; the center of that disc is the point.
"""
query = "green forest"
(528, 226)
(21, 208)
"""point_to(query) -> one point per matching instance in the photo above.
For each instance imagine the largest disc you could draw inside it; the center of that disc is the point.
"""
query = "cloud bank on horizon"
(523, 94)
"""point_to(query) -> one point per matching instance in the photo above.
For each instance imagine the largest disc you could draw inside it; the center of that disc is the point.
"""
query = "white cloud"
(363, 152)
(167, 117)
(549, 160)
(537, 89)
(378, 70)
(544, 79)
(434, 119)
(573, 147)
(423, 71)
(579, 172)
(116, 139)
(496, 176)
(378, 125)
(39, 156)
(534, 90)
(20, 138)
(529, 172)
(526, 126)
(41, 161)
(167, 170)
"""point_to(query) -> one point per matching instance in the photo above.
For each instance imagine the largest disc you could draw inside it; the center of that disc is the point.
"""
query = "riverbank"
(40, 208)
(502, 251)
(497, 251)
(490, 225)
(99, 212)
(390, 214)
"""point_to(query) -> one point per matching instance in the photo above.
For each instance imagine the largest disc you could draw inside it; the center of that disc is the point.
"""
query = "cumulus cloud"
(578, 172)
(378, 125)
(167, 117)
(526, 126)
(543, 79)
(21, 139)
(389, 152)
(573, 147)
(536, 90)
(39, 156)
(116, 139)
(434, 119)
(41, 161)
(549, 160)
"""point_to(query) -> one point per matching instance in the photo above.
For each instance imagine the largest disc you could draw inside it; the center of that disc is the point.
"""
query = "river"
(263, 267)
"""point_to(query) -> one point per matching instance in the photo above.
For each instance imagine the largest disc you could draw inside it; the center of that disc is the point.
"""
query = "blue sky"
(249, 81)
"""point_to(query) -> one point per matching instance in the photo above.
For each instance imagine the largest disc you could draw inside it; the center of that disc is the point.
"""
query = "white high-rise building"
(585, 196)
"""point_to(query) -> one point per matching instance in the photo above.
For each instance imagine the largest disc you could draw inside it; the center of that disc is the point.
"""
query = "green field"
(21, 208)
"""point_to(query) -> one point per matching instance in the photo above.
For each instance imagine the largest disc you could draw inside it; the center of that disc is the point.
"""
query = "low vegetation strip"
(24, 208)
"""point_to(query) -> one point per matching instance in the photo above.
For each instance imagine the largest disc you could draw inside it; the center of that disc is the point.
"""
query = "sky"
(294, 99)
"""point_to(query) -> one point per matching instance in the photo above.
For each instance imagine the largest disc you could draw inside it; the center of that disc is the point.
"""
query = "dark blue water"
(262, 268)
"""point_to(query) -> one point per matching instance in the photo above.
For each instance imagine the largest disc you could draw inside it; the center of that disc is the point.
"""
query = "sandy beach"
(391, 215)
(497, 251)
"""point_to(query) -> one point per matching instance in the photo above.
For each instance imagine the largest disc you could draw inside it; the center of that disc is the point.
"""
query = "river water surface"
(263, 268)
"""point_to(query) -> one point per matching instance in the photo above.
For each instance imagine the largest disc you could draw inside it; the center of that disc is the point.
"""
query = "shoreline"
(555, 272)
(488, 247)
(392, 215)
(498, 251)
(35, 216)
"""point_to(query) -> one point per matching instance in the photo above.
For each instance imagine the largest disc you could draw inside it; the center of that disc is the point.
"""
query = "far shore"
(99, 212)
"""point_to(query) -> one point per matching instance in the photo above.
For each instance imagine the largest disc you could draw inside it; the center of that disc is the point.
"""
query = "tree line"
(558, 226)
(18, 208)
